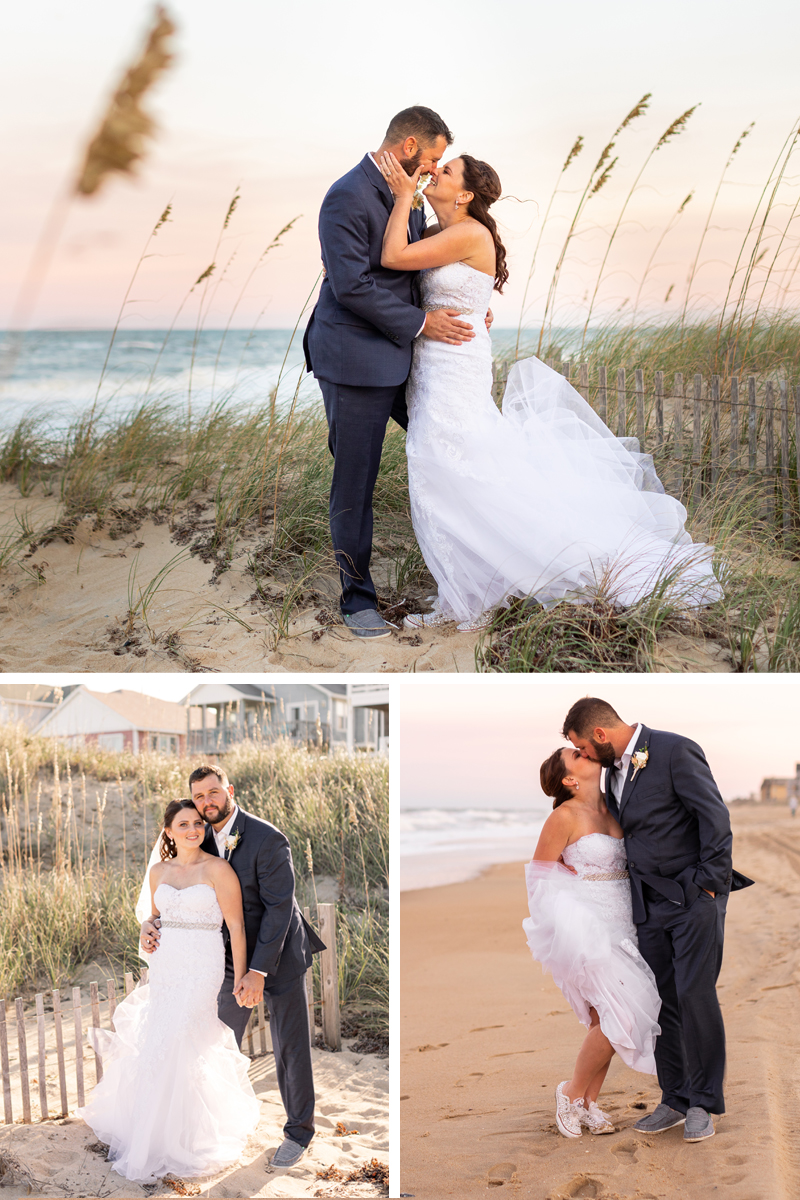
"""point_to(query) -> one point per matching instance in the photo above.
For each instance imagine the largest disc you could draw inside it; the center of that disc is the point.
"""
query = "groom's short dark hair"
(203, 772)
(418, 122)
(588, 714)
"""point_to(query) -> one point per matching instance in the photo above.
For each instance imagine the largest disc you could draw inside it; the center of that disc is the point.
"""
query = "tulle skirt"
(175, 1095)
(593, 957)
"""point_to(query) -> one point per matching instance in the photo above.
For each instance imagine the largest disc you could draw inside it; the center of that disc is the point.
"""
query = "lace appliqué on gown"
(540, 501)
(580, 930)
(175, 1095)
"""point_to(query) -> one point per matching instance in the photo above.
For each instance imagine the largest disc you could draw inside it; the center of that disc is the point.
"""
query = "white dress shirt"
(380, 172)
(623, 763)
(219, 838)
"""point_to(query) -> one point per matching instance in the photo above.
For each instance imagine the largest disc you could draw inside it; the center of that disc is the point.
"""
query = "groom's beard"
(604, 753)
(216, 816)
(410, 165)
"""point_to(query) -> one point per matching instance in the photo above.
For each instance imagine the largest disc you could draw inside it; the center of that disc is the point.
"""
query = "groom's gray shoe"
(661, 1118)
(288, 1153)
(367, 624)
(698, 1125)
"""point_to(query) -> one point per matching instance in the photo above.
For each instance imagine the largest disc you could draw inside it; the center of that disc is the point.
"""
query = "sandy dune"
(56, 1158)
(65, 608)
(486, 1037)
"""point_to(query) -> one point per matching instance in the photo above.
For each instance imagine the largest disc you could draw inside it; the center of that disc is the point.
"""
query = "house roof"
(223, 693)
(39, 693)
(133, 710)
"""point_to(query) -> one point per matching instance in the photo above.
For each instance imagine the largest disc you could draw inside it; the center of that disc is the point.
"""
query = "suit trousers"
(357, 420)
(287, 1006)
(684, 949)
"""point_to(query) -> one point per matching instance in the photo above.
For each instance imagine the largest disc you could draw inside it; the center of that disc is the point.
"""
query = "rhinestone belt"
(462, 312)
(606, 876)
(189, 925)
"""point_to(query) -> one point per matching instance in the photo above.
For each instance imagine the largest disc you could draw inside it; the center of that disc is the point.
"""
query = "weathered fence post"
(583, 380)
(310, 988)
(566, 369)
(62, 1069)
(714, 429)
(42, 1064)
(639, 377)
(786, 511)
(23, 1063)
(128, 983)
(8, 1116)
(78, 1025)
(622, 403)
(95, 1004)
(659, 392)
(735, 431)
(111, 988)
(752, 423)
(602, 395)
(329, 975)
(677, 403)
(769, 466)
(697, 441)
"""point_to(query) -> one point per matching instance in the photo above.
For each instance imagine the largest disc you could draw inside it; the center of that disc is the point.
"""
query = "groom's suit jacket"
(363, 326)
(676, 825)
(280, 942)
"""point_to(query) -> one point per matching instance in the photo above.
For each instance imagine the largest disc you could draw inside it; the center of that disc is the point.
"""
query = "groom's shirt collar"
(624, 763)
(220, 835)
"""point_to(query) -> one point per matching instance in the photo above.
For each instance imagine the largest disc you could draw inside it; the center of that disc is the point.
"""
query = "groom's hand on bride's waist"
(444, 325)
(150, 935)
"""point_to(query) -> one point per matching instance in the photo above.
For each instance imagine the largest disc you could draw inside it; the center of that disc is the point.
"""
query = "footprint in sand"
(625, 1152)
(581, 1187)
(501, 1173)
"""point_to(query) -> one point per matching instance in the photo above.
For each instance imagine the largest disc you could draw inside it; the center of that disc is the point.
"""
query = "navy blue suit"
(678, 842)
(358, 344)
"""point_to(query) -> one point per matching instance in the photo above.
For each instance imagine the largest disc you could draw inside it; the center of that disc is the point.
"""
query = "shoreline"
(486, 1036)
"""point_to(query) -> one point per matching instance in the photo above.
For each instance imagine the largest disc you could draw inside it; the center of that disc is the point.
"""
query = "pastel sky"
(281, 99)
(480, 744)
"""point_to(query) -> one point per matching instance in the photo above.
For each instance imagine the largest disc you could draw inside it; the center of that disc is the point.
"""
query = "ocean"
(440, 846)
(56, 373)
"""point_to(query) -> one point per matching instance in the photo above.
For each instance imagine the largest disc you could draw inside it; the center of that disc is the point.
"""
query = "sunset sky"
(282, 99)
(480, 744)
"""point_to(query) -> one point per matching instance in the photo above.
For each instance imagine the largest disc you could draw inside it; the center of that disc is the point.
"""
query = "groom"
(678, 842)
(359, 340)
(280, 945)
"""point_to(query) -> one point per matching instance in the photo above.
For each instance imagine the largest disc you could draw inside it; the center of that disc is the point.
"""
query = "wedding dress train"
(580, 930)
(175, 1095)
(541, 500)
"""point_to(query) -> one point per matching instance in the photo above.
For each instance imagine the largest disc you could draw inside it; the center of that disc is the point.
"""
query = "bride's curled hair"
(482, 180)
(168, 849)
(551, 777)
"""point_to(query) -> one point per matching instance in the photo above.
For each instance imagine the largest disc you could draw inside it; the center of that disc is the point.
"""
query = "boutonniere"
(418, 200)
(230, 843)
(639, 761)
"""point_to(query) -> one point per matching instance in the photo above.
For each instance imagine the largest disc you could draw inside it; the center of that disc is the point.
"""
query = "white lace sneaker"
(431, 620)
(568, 1114)
(479, 623)
(595, 1120)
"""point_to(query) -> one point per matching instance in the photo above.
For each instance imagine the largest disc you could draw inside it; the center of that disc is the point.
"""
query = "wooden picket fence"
(44, 1035)
(703, 432)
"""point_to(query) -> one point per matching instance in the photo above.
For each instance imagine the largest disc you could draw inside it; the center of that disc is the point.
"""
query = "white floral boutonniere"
(418, 200)
(230, 843)
(639, 761)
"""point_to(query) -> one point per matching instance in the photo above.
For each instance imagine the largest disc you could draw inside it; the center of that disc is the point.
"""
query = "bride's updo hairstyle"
(482, 180)
(168, 849)
(551, 777)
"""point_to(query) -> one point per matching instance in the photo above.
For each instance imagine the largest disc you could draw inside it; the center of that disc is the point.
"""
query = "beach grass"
(77, 824)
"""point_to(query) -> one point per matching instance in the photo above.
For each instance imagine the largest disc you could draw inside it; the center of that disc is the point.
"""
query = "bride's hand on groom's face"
(399, 183)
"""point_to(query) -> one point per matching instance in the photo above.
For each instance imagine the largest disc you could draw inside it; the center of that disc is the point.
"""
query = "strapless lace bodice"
(195, 906)
(456, 285)
(595, 855)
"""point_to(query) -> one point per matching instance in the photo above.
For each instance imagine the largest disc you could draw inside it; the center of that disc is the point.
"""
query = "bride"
(581, 930)
(175, 1096)
(542, 500)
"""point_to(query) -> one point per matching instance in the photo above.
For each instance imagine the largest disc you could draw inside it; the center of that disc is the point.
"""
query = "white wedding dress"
(175, 1095)
(580, 930)
(540, 501)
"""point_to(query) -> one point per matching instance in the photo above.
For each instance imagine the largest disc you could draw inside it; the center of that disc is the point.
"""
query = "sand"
(486, 1037)
(65, 607)
(57, 1158)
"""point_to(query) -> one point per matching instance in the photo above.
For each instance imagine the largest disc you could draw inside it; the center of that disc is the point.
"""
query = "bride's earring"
(456, 204)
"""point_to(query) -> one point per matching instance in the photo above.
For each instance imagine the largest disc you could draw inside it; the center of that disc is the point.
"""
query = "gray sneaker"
(698, 1125)
(661, 1118)
(367, 624)
(288, 1153)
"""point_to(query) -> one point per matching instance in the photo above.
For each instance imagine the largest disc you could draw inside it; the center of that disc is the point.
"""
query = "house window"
(111, 741)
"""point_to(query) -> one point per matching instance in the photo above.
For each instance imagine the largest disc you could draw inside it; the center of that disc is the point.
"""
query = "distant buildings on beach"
(780, 791)
(210, 719)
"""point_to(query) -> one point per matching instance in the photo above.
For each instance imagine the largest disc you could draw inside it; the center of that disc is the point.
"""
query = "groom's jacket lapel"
(376, 179)
(210, 842)
(631, 780)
